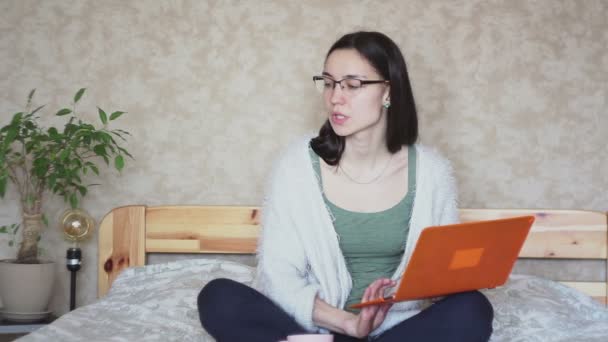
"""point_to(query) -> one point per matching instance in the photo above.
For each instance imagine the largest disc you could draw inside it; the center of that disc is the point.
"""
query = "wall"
(513, 92)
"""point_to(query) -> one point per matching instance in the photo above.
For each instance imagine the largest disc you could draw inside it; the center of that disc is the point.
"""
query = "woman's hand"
(370, 317)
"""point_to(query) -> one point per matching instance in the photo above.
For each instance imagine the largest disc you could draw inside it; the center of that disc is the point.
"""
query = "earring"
(386, 104)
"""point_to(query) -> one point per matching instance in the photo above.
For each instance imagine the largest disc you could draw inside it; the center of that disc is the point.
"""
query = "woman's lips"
(338, 118)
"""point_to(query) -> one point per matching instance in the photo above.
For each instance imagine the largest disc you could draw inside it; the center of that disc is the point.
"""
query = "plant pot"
(25, 290)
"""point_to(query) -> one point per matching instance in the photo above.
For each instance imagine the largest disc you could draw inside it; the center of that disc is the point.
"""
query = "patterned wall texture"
(514, 92)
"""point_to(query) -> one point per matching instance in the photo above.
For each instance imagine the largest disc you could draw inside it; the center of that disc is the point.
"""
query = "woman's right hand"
(370, 317)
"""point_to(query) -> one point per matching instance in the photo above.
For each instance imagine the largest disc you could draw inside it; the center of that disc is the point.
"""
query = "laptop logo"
(466, 258)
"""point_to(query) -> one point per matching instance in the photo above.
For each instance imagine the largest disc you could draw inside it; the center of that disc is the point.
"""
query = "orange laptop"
(461, 257)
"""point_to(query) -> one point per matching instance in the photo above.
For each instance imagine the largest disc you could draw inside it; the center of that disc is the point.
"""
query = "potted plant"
(56, 160)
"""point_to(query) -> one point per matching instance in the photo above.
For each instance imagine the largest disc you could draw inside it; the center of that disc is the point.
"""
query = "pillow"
(153, 302)
(534, 309)
(190, 273)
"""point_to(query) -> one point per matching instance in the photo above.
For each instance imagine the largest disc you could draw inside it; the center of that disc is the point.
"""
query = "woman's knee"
(214, 300)
(214, 290)
(474, 309)
(476, 304)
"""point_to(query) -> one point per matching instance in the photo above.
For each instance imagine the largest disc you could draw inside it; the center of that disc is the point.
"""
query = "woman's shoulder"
(432, 161)
(295, 149)
(292, 156)
(431, 154)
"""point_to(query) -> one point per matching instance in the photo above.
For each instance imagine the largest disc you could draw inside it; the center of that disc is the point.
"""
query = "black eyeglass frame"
(363, 82)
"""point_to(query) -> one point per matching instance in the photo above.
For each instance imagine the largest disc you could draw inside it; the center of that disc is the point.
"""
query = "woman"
(342, 214)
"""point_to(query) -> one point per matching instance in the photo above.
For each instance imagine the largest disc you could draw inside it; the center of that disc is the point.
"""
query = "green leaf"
(41, 162)
(94, 169)
(53, 133)
(69, 129)
(125, 152)
(82, 190)
(74, 201)
(105, 137)
(119, 162)
(30, 125)
(64, 154)
(87, 127)
(36, 110)
(64, 111)
(52, 181)
(79, 94)
(100, 150)
(116, 115)
(31, 95)
(118, 135)
(29, 146)
(40, 171)
(10, 136)
(103, 116)
(17, 118)
(3, 182)
(4, 230)
(45, 220)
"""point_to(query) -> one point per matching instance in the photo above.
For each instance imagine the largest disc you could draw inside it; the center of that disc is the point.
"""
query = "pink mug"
(311, 338)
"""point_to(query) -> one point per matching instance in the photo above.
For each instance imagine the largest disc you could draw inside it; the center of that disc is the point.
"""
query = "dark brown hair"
(402, 120)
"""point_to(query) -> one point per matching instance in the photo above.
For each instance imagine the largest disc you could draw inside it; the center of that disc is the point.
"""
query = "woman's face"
(353, 111)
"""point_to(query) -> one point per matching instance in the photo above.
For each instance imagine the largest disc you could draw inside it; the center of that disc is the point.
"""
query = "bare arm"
(329, 317)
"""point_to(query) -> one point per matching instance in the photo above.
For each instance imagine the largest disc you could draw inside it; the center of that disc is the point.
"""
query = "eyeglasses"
(349, 85)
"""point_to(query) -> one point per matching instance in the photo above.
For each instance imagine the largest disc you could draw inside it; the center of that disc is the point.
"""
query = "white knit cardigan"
(299, 256)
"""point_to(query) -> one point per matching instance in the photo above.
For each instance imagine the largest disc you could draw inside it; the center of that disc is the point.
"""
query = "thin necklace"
(373, 180)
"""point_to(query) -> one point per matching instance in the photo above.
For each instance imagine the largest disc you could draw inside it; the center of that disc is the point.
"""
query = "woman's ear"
(386, 97)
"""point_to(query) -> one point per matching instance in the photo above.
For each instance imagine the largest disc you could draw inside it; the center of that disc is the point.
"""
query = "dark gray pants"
(233, 312)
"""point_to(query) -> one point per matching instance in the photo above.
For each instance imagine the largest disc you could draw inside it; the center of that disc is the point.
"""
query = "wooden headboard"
(126, 234)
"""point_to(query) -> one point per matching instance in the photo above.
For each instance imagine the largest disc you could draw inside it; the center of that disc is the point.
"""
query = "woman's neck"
(365, 151)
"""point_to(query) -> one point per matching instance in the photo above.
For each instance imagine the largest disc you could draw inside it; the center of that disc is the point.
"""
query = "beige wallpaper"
(514, 92)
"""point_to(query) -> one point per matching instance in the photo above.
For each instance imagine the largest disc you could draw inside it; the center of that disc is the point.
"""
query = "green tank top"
(372, 243)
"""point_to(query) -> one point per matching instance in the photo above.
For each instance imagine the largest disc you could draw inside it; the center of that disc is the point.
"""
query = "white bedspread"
(158, 303)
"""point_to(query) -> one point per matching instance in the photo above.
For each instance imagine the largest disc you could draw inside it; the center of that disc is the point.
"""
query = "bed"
(140, 301)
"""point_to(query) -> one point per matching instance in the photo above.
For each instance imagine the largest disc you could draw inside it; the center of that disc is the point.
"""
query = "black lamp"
(77, 226)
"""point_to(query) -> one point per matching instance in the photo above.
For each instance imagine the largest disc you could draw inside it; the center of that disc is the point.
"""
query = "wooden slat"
(198, 215)
(568, 234)
(220, 229)
(121, 244)
(214, 238)
(127, 233)
(555, 234)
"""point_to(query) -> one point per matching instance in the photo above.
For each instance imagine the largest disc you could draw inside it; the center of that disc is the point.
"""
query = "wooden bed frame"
(126, 234)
